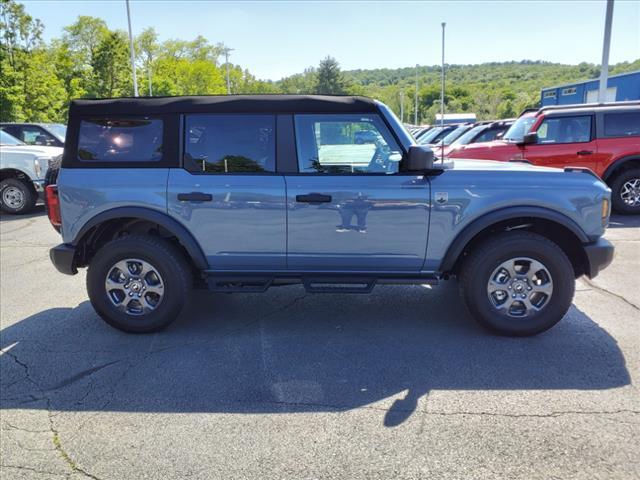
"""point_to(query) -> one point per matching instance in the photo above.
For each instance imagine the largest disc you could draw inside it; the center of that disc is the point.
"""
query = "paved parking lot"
(397, 384)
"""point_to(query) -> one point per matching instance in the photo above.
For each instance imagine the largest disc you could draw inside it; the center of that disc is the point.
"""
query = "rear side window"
(230, 143)
(625, 124)
(120, 140)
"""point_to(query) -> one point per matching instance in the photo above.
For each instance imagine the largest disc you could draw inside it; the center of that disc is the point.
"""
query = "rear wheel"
(517, 283)
(16, 196)
(625, 196)
(138, 283)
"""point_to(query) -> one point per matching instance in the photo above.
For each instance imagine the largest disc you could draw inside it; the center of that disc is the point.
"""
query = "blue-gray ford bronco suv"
(241, 193)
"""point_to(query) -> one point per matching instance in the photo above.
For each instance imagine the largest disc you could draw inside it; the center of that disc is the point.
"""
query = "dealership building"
(621, 87)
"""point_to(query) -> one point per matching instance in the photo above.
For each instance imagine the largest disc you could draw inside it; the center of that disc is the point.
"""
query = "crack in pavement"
(35, 470)
(54, 432)
(592, 284)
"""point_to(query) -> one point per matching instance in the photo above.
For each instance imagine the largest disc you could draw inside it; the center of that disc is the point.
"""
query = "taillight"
(53, 205)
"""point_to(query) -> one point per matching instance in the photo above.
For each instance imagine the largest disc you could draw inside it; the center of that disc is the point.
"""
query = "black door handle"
(195, 197)
(585, 152)
(313, 198)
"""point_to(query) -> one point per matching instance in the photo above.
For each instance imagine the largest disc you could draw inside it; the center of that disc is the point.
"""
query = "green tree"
(111, 68)
(329, 79)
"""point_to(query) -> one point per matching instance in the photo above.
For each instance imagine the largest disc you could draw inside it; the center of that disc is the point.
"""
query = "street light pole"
(226, 52)
(442, 87)
(606, 43)
(415, 114)
(133, 53)
(442, 96)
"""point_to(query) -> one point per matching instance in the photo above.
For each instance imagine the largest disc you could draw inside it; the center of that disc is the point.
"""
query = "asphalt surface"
(397, 384)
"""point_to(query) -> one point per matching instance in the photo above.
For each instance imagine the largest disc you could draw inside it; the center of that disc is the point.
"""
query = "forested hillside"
(89, 60)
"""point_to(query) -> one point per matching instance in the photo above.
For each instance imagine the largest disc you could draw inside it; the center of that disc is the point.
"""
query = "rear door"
(227, 193)
(349, 206)
(565, 141)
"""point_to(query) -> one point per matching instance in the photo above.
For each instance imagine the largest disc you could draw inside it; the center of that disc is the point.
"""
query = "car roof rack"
(590, 105)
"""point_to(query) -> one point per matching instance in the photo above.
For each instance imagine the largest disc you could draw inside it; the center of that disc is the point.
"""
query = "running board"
(239, 284)
(313, 283)
(338, 285)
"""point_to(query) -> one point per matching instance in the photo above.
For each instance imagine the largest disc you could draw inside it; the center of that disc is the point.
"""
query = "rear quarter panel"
(86, 192)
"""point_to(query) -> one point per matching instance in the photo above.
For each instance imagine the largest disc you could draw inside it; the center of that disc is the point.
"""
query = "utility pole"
(442, 94)
(402, 106)
(442, 86)
(133, 53)
(606, 43)
(149, 73)
(415, 113)
(226, 52)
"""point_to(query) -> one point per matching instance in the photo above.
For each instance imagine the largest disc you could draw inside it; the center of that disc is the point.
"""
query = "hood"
(37, 150)
(494, 165)
(471, 147)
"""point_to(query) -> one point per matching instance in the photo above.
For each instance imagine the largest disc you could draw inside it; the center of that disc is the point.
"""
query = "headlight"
(40, 165)
(37, 168)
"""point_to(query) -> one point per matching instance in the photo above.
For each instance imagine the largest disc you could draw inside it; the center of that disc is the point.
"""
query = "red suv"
(602, 137)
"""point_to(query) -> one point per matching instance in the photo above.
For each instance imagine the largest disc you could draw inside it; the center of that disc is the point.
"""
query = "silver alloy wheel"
(630, 192)
(134, 286)
(520, 287)
(13, 197)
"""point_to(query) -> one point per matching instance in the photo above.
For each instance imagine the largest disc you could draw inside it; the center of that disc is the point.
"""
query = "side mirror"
(530, 138)
(419, 159)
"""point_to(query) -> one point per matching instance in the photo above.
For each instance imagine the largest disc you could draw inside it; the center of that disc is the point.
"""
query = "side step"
(338, 285)
(239, 284)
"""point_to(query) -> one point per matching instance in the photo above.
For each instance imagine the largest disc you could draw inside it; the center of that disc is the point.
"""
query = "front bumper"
(63, 257)
(39, 186)
(599, 256)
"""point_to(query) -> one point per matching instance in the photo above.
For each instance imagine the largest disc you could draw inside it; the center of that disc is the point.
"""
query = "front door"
(566, 141)
(228, 194)
(349, 207)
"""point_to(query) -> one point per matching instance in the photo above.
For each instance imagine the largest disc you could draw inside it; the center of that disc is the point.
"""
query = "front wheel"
(138, 283)
(517, 283)
(625, 192)
(16, 196)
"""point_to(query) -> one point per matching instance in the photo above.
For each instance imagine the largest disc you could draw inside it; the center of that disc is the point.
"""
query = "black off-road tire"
(27, 191)
(489, 255)
(165, 257)
(618, 182)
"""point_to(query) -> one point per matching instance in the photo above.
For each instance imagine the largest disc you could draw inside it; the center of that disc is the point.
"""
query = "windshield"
(6, 139)
(405, 137)
(430, 135)
(454, 134)
(519, 129)
(469, 135)
(58, 130)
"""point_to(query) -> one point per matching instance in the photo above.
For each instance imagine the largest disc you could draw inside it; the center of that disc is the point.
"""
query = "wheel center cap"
(518, 287)
(135, 286)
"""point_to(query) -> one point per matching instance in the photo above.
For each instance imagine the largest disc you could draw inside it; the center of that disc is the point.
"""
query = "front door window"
(345, 144)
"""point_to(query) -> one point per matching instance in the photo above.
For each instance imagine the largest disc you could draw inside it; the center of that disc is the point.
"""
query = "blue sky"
(275, 39)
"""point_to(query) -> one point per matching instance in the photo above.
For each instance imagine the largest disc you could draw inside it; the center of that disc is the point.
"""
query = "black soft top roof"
(223, 104)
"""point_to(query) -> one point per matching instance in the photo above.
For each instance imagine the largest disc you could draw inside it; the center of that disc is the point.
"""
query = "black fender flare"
(617, 164)
(485, 221)
(165, 221)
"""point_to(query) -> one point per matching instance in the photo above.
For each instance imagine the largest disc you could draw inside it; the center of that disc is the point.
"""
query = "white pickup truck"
(22, 171)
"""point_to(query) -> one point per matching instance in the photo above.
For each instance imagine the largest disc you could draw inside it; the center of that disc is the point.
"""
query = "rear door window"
(626, 124)
(131, 139)
(219, 144)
